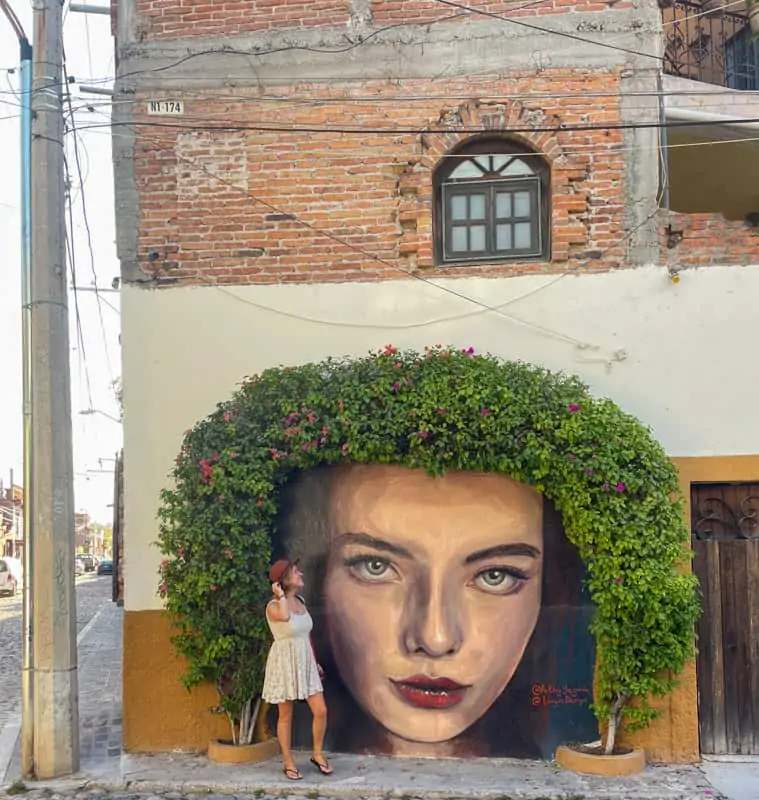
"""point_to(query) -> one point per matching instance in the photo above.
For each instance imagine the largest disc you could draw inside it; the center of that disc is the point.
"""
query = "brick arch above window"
(567, 173)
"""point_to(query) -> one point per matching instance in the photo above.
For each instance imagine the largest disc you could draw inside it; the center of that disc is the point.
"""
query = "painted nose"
(432, 625)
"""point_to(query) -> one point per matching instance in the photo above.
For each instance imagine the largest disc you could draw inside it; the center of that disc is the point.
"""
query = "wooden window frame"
(537, 184)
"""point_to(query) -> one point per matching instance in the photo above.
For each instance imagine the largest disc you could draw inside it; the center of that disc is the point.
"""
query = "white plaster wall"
(681, 357)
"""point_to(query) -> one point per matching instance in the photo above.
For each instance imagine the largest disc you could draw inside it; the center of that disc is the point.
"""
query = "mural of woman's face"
(432, 591)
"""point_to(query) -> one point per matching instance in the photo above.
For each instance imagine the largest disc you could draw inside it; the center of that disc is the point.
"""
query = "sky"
(96, 364)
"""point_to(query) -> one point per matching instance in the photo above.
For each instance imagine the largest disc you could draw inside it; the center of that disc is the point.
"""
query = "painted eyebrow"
(372, 541)
(516, 549)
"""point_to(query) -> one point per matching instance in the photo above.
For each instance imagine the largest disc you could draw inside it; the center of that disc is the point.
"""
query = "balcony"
(717, 48)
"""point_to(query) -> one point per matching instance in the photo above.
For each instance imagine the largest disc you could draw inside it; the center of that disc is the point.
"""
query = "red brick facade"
(251, 206)
(701, 240)
(179, 19)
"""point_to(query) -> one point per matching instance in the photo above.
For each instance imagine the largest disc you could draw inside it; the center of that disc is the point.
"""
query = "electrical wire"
(88, 230)
(83, 366)
(497, 309)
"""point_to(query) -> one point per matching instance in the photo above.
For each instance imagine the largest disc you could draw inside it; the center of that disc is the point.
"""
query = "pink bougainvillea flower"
(311, 416)
(227, 416)
(397, 365)
(163, 588)
(619, 580)
(206, 470)
(396, 386)
(424, 434)
(486, 412)
(390, 350)
(621, 487)
(468, 351)
(574, 408)
(325, 430)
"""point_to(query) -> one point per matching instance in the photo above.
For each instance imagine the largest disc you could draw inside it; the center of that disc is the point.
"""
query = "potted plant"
(614, 485)
(215, 595)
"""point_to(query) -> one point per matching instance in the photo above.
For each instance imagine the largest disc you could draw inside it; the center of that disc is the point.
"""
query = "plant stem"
(614, 719)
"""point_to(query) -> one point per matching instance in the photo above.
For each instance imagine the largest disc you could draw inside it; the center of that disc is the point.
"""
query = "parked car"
(88, 560)
(78, 567)
(105, 567)
(11, 575)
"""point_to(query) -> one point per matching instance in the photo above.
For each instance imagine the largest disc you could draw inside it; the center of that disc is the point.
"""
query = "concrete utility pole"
(56, 717)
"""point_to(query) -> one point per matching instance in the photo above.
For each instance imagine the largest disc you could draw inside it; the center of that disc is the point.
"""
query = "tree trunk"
(614, 719)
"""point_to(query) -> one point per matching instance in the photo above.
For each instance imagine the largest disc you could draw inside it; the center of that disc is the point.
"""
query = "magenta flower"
(396, 386)
(619, 580)
(424, 434)
(486, 412)
(574, 408)
(469, 351)
(621, 487)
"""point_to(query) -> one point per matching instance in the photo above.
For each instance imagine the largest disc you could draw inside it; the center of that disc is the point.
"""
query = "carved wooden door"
(725, 533)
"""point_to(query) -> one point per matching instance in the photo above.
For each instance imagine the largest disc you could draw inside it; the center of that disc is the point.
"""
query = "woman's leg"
(285, 732)
(319, 710)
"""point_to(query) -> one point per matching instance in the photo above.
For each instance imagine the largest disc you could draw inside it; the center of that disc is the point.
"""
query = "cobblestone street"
(99, 661)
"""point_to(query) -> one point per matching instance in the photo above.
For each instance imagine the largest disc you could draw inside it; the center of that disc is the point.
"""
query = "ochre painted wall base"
(159, 713)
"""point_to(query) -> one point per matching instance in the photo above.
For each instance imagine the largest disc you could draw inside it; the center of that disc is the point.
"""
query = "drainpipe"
(27, 691)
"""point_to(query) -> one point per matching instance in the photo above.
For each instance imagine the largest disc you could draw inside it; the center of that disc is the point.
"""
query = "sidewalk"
(104, 766)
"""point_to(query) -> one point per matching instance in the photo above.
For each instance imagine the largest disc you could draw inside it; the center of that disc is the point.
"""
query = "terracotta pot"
(592, 763)
(753, 18)
(228, 753)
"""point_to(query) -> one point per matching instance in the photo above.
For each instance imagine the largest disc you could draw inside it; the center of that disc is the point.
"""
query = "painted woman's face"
(432, 592)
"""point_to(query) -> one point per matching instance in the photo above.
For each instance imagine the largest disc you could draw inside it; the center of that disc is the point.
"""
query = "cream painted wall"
(680, 357)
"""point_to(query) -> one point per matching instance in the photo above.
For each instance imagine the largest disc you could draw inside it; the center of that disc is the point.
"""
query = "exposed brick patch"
(700, 240)
(421, 12)
(366, 199)
(175, 19)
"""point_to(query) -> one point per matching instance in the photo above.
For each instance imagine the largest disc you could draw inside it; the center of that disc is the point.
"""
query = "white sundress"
(291, 670)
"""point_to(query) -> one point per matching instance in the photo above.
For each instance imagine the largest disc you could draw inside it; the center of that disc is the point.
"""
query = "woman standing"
(291, 669)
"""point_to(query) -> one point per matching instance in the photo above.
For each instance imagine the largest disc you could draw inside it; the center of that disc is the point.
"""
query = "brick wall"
(699, 240)
(386, 12)
(178, 19)
(244, 206)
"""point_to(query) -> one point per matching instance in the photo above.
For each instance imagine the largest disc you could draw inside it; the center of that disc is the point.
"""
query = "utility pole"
(55, 684)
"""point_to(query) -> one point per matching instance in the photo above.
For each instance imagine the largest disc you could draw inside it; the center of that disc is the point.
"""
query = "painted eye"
(498, 581)
(369, 568)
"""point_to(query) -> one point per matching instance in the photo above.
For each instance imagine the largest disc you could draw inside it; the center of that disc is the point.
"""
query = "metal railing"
(717, 48)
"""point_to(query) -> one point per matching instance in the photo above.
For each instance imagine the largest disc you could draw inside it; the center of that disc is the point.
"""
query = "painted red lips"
(424, 692)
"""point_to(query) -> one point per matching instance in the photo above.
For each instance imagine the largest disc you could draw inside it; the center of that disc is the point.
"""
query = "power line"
(88, 230)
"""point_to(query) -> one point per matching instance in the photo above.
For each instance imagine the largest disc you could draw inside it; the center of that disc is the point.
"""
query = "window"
(491, 204)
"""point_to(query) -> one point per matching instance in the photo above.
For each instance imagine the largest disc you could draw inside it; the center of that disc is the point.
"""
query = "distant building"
(11, 520)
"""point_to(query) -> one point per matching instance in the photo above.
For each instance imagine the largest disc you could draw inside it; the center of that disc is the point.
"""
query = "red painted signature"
(550, 695)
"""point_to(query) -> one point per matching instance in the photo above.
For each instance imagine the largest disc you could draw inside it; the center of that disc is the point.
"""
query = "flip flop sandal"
(292, 774)
(324, 768)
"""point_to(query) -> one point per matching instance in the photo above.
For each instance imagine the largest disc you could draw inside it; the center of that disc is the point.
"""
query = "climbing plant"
(443, 409)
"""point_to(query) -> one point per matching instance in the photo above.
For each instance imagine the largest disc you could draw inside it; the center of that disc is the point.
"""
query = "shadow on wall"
(450, 614)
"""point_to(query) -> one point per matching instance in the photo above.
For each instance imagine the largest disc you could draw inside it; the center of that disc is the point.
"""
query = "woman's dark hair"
(514, 725)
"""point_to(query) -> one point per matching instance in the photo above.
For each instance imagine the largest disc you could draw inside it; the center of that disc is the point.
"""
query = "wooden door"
(725, 532)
